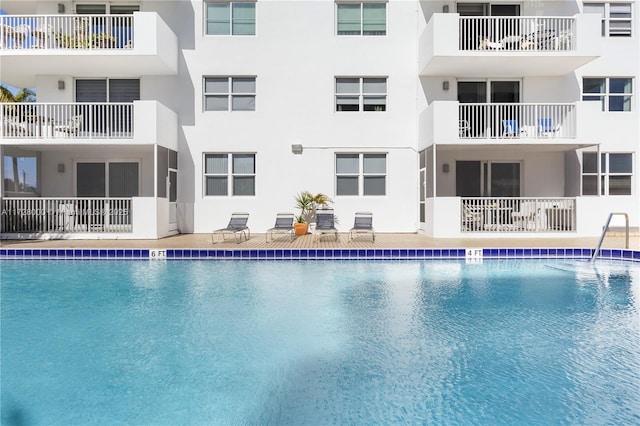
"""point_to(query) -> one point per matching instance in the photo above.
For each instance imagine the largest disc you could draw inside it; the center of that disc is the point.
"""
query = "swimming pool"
(320, 342)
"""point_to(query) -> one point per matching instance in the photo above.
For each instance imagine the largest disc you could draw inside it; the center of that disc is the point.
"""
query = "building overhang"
(517, 63)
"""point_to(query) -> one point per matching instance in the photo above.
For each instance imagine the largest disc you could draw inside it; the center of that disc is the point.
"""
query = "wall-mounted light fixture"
(296, 148)
(60, 7)
(60, 84)
(61, 168)
(445, 85)
(445, 8)
(445, 168)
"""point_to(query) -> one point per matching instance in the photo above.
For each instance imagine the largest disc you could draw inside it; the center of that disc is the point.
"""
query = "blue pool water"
(397, 342)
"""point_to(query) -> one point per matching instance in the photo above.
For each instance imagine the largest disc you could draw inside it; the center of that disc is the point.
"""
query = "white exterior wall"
(616, 131)
(295, 57)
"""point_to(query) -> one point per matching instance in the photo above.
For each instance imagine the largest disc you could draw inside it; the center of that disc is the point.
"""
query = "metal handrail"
(606, 228)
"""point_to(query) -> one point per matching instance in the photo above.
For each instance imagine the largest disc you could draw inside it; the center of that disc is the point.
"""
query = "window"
(21, 174)
(616, 173)
(107, 179)
(361, 93)
(230, 93)
(231, 18)
(361, 174)
(616, 18)
(106, 8)
(233, 174)
(614, 93)
(108, 90)
(369, 18)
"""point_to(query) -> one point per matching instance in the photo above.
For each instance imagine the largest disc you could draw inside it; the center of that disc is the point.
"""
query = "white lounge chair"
(72, 127)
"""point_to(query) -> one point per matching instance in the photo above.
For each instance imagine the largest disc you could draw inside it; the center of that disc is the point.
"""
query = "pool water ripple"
(415, 342)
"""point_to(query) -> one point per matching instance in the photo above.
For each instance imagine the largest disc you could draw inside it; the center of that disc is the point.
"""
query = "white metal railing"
(517, 214)
(67, 120)
(516, 120)
(606, 228)
(66, 215)
(66, 31)
(515, 33)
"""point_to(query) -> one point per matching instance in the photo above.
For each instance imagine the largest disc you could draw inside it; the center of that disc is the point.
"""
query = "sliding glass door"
(476, 112)
(487, 179)
(103, 119)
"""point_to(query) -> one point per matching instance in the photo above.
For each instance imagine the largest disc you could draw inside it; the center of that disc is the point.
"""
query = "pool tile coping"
(320, 254)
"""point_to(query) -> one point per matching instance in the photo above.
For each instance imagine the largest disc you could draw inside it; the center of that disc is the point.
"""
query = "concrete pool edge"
(471, 254)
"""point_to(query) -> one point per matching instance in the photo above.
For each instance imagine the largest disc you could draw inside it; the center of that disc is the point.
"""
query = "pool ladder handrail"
(606, 228)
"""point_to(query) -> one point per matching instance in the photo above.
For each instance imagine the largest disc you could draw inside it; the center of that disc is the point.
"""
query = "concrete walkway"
(282, 241)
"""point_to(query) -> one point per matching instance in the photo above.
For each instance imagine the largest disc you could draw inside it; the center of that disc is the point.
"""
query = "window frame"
(361, 95)
(230, 22)
(106, 190)
(607, 19)
(229, 94)
(20, 156)
(361, 174)
(362, 32)
(607, 95)
(605, 173)
(230, 174)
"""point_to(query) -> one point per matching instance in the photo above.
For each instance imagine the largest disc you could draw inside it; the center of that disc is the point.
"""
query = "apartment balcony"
(508, 46)
(526, 124)
(84, 218)
(133, 123)
(66, 215)
(516, 121)
(517, 214)
(85, 45)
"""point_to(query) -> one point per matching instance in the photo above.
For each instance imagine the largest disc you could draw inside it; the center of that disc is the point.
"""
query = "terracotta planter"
(300, 228)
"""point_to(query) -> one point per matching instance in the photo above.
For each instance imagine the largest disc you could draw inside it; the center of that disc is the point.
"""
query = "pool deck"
(383, 240)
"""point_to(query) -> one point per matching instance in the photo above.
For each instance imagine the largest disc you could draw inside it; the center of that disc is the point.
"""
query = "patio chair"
(362, 224)
(283, 225)
(12, 127)
(472, 218)
(72, 127)
(463, 128)
(525, 219)
(510, 128)
(546, 127)
(325, 224)
(237, 227)
(66, 217)
(42, 36)
(15, 37)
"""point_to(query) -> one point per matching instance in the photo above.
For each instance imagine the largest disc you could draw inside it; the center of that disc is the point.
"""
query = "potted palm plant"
(307, 203)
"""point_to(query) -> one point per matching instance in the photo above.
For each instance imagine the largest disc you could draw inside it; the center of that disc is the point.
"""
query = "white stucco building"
(456, 119)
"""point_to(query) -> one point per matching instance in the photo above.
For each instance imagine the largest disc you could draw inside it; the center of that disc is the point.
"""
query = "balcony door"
(487, 179)
(105, 120)
(477, 31)
(116, 30)
(96, 180)
(486, 9)
(481, 118)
